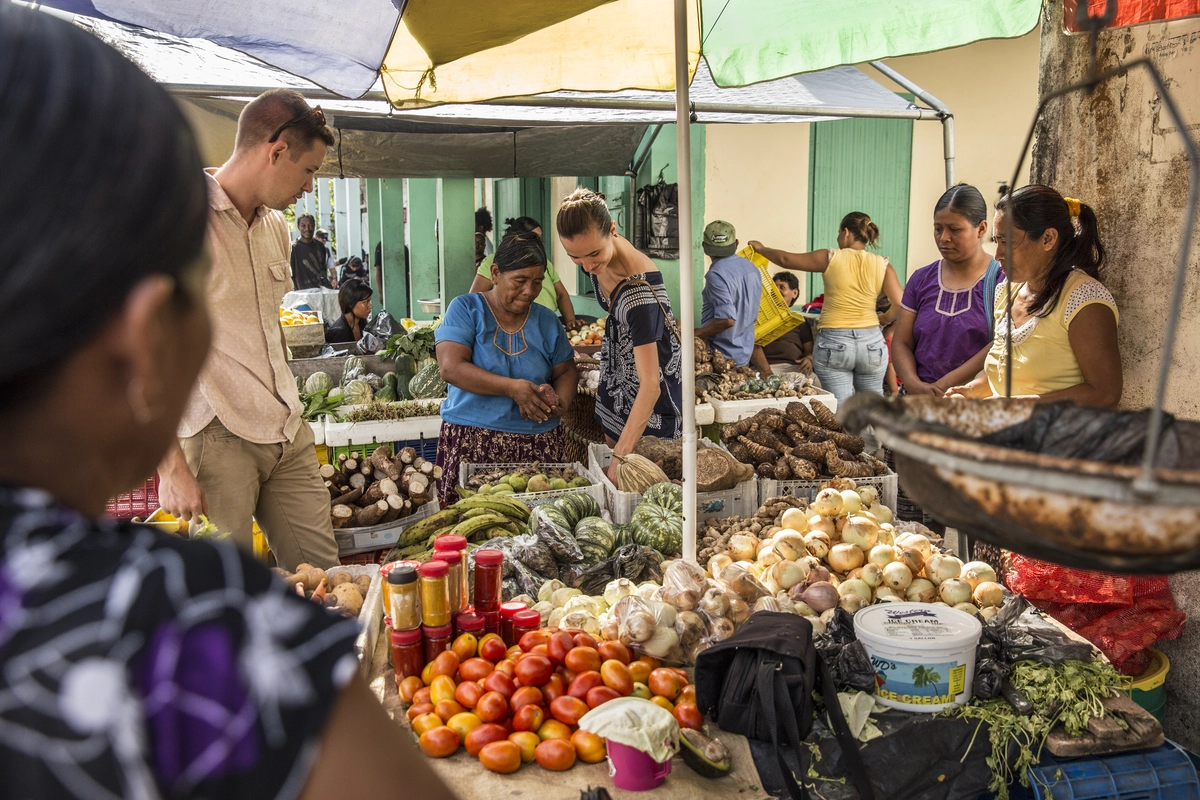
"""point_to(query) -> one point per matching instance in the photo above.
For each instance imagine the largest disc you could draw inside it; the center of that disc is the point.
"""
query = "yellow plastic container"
(1148, 690)
(261, 551)
(322, 454)
(775, 318)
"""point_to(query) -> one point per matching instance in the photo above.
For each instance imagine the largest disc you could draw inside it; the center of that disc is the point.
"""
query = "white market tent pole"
(683, 145)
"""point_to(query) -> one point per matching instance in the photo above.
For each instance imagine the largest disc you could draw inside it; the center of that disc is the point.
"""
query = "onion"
(916, 541)
(769, 584)
(860, 532)
(881, 555)
(872, 574)
(715, 603)
(970, 608)
(882, 512)
(717, 563)
(827, 617)
(743, 547)
(739, 610)
(838, 524)
(940, 568)
(886, 594)
(767, 557)
(754, 568)
(976, 572)
(820, 596)
(827, 503)
(954, 591)
(887, 534)
(821, 573)
(817, 523)
(788, 573)
(817, 543)
(897, 576)
(658, 645)
(664, 614)
(794, 519)
(989, 594)
(987, 613)
(802, 608)
(869, 495)
(785, 603)
(852, 602)
(845, 557)
(856, 586)
(817, 625)
(790, 546)
(910, 558)
(920, 591)
(851, 502)
(765, 604)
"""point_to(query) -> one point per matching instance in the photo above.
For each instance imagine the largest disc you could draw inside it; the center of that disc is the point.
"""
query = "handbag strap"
(990, 279)
(612, 303)
(849, 745)
(776, 709)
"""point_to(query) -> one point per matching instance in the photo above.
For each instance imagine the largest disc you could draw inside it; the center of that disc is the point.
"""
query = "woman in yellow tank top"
(1064, 343)
(850, 354)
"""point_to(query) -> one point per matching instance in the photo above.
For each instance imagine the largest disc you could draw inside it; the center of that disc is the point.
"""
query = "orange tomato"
(640, 671)
(492, 707)
(483, 735)
(439, 742)
(652, 661)
(409, 687)
(584, 682)
(426, 722)
(514, 652)
(527, 741)
(500, 682)
(688, 716)
(447, 709)
(493, 648)
(528, 718)
(568, 710)
(553, 729)
(614, 651)
(534, 670)
(465, 646)
(663, 702)
(503, 757)
(474, 669)
(463, 724)
(446, 663)
(555, 688)
(599, 696)
(666, 683)
(417, 709)
(583, 659)
(427, 675)
(533, 639)
(585, 640)
(441, 689)
(590, 748)
(555, 754)
(541, 649)
(559, 645)
(688, 695)
(423, 696)
(526, 695)
(508, 667)
(616, 676)
(468, 693)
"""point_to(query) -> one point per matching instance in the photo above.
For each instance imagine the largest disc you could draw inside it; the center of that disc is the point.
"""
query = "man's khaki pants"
(276, 484)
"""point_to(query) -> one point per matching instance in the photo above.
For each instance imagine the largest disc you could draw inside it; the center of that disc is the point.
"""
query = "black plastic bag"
(638, 564)
(656, 226)
(531, 553)
(1021, 633)
(557, 538)
(375, 335)
(848, 661)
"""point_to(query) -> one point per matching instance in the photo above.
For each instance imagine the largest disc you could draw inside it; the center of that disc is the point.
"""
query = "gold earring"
(136, 394)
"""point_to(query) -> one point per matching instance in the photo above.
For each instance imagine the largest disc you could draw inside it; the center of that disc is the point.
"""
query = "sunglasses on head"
(314, 113)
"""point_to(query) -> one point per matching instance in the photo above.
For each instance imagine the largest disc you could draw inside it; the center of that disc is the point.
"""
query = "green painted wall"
(456, 236)
(395, 284)
(422, 242)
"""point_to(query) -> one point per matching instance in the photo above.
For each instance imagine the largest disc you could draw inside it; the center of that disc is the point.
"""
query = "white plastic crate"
(705, 414)
(887, 486)
(377, 537)
(741, 500)
(369, 617)
(465, 471)
(339, 434)
(318, 429)
(726, 411)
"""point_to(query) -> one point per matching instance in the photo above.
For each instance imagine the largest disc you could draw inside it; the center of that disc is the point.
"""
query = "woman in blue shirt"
(510, 368)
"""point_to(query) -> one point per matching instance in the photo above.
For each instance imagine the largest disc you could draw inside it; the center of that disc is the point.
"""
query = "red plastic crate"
(141, 502)
(367, 558)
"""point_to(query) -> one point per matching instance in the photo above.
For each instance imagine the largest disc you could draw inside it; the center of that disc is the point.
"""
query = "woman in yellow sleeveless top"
(1064, 343)
(850, 354)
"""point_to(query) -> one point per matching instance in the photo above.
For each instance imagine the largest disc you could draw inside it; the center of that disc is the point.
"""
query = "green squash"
(427, 384)
(358, 393)
(577, 506)
(665, 495)
(406, 369)
(597, 538)
(386, 395)
(318, 382)
(656, 527)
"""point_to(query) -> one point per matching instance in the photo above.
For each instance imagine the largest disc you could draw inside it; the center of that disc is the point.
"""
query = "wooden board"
(1106, 736)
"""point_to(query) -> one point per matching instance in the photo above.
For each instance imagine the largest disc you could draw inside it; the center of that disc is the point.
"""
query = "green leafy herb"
(418, 343)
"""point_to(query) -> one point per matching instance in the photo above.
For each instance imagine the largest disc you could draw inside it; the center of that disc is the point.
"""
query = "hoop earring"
(136, 395)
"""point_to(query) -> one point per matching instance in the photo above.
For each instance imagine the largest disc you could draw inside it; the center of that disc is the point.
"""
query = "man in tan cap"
(732, 292)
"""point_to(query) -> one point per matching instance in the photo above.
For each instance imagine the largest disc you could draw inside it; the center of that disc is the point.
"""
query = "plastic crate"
(426, 448)
(318, 429)
(465, 471)
(775, 317)
(1164, 773)
(705, 414)
(727, 411)
(338, 434)
(140, 502)
(364, 558)
(807, 490)
(358, 540)
(741, 500)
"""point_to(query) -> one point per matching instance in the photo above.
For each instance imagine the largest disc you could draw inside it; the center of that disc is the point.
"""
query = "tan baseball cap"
(720, 239)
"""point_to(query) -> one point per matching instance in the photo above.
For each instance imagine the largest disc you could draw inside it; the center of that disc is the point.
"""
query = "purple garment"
(951, 326)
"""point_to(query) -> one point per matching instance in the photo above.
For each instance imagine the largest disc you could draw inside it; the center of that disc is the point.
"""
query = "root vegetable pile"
(339, 591)
(718, 378)
(378, 489)
(799, 443)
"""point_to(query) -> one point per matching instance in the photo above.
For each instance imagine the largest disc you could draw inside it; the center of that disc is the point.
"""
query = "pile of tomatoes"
(510, 706)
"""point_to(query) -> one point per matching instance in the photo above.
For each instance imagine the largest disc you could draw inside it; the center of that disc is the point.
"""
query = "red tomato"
(601, 695)
(688, 716)
(682, 673)
(484, 734)
(465, 646)
(568, 710)
(616, 676)
(493, 648)
(503, 757)
(500, 682)
(409, 687)
(666, 683)
(424, 696)
(585, 640)
(555, 687)
(584, 683)
(446, 663)
(447, 709)
(528, 718)
(474, 669)
(583, 659)
(526, 695)
(590, 748)
(555, 754)
(441, 742)
(559, 645)
(492, 707)
(534, 670)
(507, 666)
(417, 709)
(533, 639)
(614, 651)
(566, 674)
(688, 695)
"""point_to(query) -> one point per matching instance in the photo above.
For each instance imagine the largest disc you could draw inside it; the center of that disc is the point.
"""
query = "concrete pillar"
(456, 236)
(353, 241)
(341, 220)
(395, 275)
(374, 220)
(423, 259)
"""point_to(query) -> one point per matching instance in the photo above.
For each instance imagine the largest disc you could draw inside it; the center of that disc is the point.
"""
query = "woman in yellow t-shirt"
(1064, 343)
(850, 354)
(554, 295)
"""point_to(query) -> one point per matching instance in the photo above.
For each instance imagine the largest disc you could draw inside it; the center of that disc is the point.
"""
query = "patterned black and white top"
(636, 320)
(136, 665)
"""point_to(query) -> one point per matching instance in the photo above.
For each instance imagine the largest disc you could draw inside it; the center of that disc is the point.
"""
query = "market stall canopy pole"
(942, 109)
(683, 146)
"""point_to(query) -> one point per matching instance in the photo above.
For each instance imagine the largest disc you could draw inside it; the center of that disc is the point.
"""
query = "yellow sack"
(774, 317)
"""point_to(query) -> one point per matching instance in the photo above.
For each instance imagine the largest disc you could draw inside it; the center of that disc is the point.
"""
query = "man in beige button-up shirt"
(245, 452)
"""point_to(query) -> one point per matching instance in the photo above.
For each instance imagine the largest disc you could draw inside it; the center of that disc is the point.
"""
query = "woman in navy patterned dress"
(134, 664)
(641, 387)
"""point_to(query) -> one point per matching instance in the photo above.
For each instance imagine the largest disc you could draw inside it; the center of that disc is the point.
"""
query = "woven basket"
(580, 418)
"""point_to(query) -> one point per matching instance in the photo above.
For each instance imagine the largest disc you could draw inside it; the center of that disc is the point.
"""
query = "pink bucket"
(633, 770)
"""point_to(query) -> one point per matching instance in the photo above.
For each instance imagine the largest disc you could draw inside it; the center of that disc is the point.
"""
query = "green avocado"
(707, 756)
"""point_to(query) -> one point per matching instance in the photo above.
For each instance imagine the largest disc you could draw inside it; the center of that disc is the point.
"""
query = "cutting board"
(1106, 736)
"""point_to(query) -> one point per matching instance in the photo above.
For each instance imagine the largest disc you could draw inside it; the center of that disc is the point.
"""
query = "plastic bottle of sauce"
(469, 622)
(437, 640)
(453, 560)
(408, 654)
(488, 567)
(435, 594)
(507, 612)
(405, 608)
(525, 621)
(491, 622)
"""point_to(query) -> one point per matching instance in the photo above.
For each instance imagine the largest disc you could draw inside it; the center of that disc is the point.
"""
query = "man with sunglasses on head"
(245, 452)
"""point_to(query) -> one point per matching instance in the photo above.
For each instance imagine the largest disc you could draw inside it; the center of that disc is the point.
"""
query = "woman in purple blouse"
(946, 314)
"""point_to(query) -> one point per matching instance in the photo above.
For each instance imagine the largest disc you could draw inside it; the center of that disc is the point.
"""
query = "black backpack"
(759, 683)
